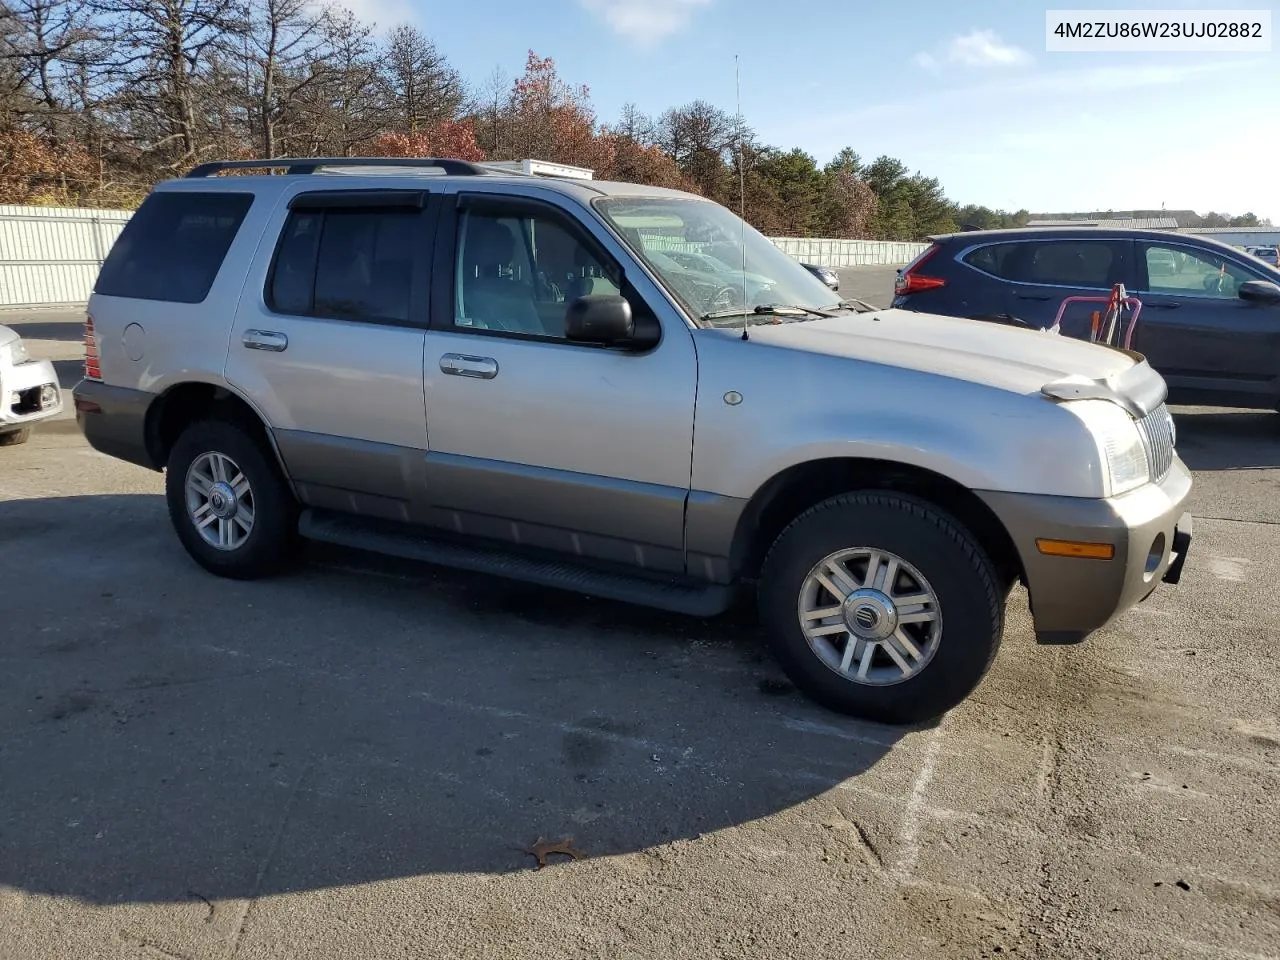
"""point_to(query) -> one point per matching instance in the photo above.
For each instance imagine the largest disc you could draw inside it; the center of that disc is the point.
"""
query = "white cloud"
(382, 14)
(645, 21)
(977, 48)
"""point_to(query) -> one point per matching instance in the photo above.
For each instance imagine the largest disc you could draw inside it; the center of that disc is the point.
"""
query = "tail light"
(911, 280)
(92, 366)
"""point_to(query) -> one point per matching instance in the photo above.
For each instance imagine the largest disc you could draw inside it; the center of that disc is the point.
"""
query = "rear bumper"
(29, 393)
(1071, 597)
(114, 421)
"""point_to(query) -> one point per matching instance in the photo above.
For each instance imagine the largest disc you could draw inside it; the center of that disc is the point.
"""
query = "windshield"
(695, 247)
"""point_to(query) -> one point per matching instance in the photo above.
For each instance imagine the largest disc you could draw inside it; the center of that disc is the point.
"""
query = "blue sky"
(961, 91)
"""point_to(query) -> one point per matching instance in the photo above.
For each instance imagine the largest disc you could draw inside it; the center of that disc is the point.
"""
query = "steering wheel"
(727, 298)
(1218, 283)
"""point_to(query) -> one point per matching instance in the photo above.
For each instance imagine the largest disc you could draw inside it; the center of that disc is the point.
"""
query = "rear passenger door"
(328, 343)
(1040, 274)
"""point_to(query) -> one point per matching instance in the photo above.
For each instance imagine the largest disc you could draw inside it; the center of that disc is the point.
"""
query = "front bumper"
(29, 393)
(1071, 597)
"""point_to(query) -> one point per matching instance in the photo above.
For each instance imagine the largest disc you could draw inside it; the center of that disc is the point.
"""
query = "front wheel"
(228, 501)
(12, 438)
(881, 606)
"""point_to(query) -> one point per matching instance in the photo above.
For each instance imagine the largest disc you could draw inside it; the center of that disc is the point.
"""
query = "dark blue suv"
(1210, 321)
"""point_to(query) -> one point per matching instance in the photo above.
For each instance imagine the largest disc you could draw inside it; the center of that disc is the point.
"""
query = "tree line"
(100, 99)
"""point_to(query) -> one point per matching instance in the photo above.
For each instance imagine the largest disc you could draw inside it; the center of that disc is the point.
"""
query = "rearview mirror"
(1260, 291)
(602, 318)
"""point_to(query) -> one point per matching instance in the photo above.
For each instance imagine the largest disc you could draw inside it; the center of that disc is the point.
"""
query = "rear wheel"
(228, 501)
(881, 606)
(15, 437)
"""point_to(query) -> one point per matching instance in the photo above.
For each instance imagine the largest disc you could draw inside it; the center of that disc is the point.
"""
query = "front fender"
(797, 409)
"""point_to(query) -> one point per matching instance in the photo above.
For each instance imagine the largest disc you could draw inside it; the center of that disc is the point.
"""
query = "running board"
(689, 598)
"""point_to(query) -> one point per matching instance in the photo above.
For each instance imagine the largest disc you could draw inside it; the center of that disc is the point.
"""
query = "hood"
(8, 335)
(991, 354)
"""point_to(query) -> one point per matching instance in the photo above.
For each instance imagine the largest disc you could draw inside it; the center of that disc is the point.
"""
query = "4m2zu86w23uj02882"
(577, 384)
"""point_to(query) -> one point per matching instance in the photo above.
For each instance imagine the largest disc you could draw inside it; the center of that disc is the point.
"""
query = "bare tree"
(285, 45)
(490, 108)
(636, 126)
(162, 47)
(44, 45)
(346, 109)
(701, 138)
(422, 88)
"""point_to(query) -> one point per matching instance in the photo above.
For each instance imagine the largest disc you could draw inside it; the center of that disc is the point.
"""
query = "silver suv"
(502, 372)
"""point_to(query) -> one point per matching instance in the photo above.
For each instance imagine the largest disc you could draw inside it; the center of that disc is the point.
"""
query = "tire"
(936, 557)
(269, 542)
(15, 437)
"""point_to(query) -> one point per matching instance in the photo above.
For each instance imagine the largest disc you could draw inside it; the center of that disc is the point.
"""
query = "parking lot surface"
(354, 760)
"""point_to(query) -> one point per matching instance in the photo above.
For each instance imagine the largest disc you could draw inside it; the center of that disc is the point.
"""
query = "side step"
(689, 598)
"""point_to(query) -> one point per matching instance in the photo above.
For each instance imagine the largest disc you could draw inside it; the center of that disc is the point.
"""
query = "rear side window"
(990, 259)
(345, 264)
(173, 247)
(1066, 263)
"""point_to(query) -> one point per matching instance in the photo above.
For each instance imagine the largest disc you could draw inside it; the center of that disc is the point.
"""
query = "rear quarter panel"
(968, 292)
(151, 345)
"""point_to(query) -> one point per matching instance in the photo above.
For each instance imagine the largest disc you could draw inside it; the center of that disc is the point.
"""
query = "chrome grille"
(1157, 433)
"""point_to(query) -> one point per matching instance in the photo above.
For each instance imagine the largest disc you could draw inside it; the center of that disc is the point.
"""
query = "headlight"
(18, 353)
(1119, 444)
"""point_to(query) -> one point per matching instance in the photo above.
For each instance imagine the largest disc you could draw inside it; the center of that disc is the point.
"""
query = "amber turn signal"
(1075, 548)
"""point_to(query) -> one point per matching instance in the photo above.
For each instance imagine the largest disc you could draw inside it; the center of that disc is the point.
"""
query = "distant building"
(1238, 236)
(1142, 223)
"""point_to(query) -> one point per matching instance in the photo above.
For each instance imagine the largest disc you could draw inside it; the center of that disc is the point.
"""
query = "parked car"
(29, 390)
(1268, 255)
(1210, 320)
(261, 339)
(825, 274)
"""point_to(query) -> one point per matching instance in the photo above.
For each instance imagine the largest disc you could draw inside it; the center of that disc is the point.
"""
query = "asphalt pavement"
(355, 760)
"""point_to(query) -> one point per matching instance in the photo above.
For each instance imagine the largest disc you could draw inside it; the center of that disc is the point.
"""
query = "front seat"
(489, 299)
(588, 278)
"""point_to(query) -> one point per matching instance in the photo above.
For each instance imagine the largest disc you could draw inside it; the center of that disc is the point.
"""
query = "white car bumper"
(29, 393)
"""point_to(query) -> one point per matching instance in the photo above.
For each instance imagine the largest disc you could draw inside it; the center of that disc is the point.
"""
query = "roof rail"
(306, 165)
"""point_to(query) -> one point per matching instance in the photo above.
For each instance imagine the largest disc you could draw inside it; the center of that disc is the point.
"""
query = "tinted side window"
(345, 264)
(1066, 263)
(293, 279)
(173, 247)
(991, 258)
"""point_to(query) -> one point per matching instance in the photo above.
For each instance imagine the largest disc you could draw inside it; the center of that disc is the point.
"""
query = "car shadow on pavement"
(68, 331)
(1213, 439)
(70, 372)
(172, 735)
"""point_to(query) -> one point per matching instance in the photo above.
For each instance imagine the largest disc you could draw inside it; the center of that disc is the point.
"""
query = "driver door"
(1194, 328)
(536, 439)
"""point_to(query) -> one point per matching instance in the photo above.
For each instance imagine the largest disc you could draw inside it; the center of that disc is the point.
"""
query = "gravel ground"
(352, 761)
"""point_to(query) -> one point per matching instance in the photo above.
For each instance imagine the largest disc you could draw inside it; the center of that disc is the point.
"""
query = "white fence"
(850, 253)
(50, 256)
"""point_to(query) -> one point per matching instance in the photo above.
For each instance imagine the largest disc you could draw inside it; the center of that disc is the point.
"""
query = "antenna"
(742, 194)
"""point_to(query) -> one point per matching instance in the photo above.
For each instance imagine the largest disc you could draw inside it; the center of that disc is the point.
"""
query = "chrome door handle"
(461, 365)
(265, 340)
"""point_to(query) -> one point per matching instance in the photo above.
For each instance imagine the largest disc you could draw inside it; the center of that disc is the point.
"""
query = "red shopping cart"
(1106, 325)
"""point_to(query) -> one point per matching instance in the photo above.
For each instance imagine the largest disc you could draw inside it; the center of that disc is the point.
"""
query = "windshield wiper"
(768, 309)
(854, 304)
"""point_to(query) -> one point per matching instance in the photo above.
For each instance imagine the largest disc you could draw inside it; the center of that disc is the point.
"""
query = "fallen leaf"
(545, 848)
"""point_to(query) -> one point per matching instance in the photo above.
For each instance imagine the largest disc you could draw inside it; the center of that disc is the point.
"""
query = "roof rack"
(307, 165)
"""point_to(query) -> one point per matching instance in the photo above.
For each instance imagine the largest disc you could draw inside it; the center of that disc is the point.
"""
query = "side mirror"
(1260, 291)
(604, 318)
